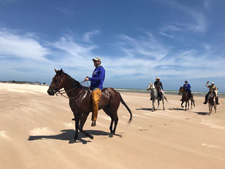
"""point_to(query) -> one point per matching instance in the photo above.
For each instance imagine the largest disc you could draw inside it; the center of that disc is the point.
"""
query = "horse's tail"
(165, 96)
(166, 99)
(193, 102)
(122, 101)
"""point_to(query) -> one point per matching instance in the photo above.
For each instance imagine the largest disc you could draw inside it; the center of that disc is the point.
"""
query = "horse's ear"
(60, 71)
(55, 70)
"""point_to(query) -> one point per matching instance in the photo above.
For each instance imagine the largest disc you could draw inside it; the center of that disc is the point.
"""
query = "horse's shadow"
(176, 109)
(147, 109)
(202, 113)
(68, 135)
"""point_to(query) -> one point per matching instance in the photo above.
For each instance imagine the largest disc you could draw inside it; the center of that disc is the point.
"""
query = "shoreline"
(167, 92)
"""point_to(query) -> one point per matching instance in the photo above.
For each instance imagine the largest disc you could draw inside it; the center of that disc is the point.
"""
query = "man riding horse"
(187, 88)
(97, 80)
(159, 87)
(212, 88)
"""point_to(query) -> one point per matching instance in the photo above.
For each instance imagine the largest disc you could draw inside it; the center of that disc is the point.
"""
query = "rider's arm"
(100, 76)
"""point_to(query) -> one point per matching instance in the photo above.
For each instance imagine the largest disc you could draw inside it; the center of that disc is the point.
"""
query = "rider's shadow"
(68, 135)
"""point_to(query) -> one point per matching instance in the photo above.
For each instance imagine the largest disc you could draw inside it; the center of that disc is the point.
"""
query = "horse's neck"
(212, 94)
(72, 87)
(154, 92)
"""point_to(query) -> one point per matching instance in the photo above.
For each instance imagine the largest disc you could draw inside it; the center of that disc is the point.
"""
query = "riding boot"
(217, 100)
(206, 98)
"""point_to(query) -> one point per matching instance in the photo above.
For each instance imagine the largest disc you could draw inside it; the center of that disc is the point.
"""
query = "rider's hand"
(86, 79)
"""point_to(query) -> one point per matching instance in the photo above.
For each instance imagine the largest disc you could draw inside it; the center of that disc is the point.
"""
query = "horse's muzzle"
(51, 92)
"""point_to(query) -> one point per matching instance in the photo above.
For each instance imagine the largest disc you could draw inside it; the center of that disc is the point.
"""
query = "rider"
(159, 87)
(212, 88)
(187, 88)
(97, 80)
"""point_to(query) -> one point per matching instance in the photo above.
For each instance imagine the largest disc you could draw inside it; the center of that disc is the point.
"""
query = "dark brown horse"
(81, 103)
(186, 98)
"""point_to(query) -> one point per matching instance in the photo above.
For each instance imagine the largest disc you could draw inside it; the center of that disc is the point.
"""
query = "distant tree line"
(23, 82)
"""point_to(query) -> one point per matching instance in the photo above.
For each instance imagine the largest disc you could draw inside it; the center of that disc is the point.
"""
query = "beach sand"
(35, 130)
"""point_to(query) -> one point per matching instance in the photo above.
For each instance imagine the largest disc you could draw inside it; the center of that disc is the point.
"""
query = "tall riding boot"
(206, 98)
(217, 100)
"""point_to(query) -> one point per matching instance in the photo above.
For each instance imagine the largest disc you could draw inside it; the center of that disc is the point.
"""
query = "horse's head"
(181, 90)
(57, 82)
(150, 86)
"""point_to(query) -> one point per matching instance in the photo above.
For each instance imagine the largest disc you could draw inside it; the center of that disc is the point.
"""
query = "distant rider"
(159, 87)
(212, 88)
(187, 88)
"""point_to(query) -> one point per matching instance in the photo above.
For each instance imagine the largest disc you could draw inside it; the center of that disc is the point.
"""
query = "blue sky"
(140, 40)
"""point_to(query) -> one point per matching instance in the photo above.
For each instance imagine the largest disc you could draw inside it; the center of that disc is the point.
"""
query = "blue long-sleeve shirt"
(187, 87)
(98, 77)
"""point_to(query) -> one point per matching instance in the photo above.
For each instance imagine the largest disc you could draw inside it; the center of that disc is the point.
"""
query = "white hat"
(157, 78)
(212, 83)
(97, 59)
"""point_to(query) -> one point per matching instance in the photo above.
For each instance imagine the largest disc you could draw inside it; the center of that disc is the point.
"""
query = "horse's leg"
(76, 130)
(182, 103)
(215, 107)
(158, 104)
(113, 117)
(163, 102)
(153, 104)
(210, 108)
(115, 125)
(111, 126)
(82, 121)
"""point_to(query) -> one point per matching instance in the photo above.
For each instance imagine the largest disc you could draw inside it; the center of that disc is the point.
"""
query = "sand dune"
(35, 130)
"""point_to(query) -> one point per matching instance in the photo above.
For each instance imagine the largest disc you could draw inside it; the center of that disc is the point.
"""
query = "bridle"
(63, 91)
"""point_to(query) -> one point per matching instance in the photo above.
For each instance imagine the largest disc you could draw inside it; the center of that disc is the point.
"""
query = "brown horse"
(81, 103)
(186, 98)
(212, 102)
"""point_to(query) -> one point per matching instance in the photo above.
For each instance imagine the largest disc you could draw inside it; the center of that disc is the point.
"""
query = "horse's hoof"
(111, 135)
(72, 141)
(91, 137)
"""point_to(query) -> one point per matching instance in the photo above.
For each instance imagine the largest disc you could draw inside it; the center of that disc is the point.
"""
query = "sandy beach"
(35, 130)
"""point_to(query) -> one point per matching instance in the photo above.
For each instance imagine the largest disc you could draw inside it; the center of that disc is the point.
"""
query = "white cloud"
(144, 57)
(87, 36)
(20, 46)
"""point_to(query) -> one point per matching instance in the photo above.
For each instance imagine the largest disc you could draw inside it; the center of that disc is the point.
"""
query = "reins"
(63, 91)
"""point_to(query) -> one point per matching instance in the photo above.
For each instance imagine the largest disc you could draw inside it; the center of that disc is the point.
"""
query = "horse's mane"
(73, 81)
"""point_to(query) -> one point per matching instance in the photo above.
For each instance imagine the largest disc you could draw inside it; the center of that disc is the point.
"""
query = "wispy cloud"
(196, 21)
(87, 36)
(142, 58)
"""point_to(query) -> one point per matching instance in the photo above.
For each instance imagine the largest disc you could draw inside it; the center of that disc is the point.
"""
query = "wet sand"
(35, 130)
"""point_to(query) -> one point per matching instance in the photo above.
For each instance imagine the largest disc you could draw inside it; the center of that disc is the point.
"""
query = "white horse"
(154, 96)
(212, 101)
